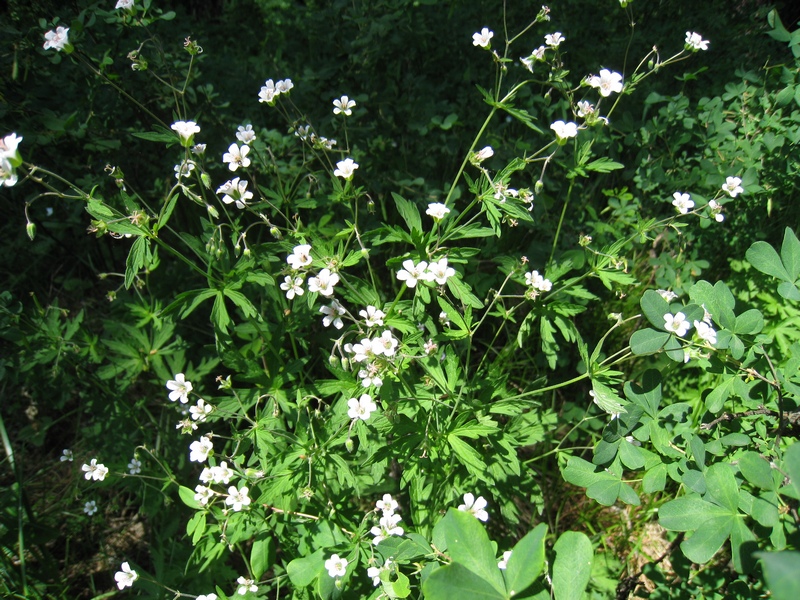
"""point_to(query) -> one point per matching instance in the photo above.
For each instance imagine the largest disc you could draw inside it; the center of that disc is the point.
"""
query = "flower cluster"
(9, 159)
(475, 506)
(437, 271)
(388, 523)
(538, 282)
(323, 283)
(94, 470)
(270, 90)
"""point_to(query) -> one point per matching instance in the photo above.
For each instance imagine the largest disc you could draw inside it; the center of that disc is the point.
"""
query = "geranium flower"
(503, 562)
(372, 316)
(237, 157)
(386, 344)
(203, 495)
(201, 410)
(9, 145)
(183, 170)
(126, 576)
(66, 455)
(370, 377)
(237, 499)
(124, 4)
(440, 272)
(245, 134)
(333, 314)
(336, 566)
(57, 39)
(323, 282)
(268, 92)
(135, 466)
(554, 40)
(363, 351)
(343, 106)
(207, 597)
(695, 42)
(186, 131)
(235, 191)
(584, 109)
(667, 295)
(437, 210)
(716, 211)
(475, 506)
(607, 82)
(732, 186)
(246, 585)
(199, 450)
(411, 273)
(564, 130)
(345, 168)
(90, 507)
(705, 332)
(94, 470)
(387, 528)
(361, 408)
(387, 504)
(292, 287)
(221, 473)
(180, 388)
(283, 86)
(483, 38)
(676, 323)
(682, 202)
(300, 257)
(480, 156)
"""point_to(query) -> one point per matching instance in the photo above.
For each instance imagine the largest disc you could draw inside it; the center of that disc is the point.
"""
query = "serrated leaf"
(409, 212)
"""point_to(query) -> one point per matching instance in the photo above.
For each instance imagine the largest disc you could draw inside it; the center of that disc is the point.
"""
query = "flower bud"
(30, 229)
(538, 187)
(333, 360)
(275, 232)
(349, 445)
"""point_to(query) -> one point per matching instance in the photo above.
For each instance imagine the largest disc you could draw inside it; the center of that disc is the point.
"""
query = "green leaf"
(261, 556)
(468, 456)
(791, 465)
(780, 571)
(242, 302)
(527, 560)
(187, 497)
(647, 394)
(764, 258)
(756, 470)
(722, 487)
(166, 212)
(136, 260)
(163, 135)
(606, 398)
(409, 213)
(790, 253)
(573, 565)
(654, 308)
(469, 545)
(708, 539)
(716, 399)
(219, 314)
(303, 571)
(655, 479)
(604, 165)
(688, 513)
(456, 582)
(648, 341)
(749, 322)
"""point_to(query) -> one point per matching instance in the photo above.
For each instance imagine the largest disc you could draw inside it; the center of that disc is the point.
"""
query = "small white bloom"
(333, 314)
(268, 92)
(245, 134)
(584, 109)
(201, 410)
(246, 585)
(667, 295)
(372, 316)
(90, 507)
(345, 168)
(186, 130)
(199, 149)
(440, 272)
(300, 257)
(411, 273)
(57, 40)
(443, 319)
(135, 466)
(387, 504)
(370, 377)
(237, 499)
(538, 282)
(475, 506)
(705, 332)
(554, 40)
(695, 42)
(323, 282)
(343, 106)
(483, 38)
(124, 4)
(126, 576)
(283, 86)
(203, 495)
(430, 347)
(480, 156)
(207, 597)
(388, 526)
(179, 388)
(732, 186)
(374, 573)
(292, 287)
(386, 344)
(235, 190)
(184, 170)
(363, 351)
(237, 157)
(200, 449)
(716, 211)
(503, 562)
(682, 202)
(676, 323)
(361, 408)
(564, 130)
(437, 210)
(66, 455)
(94, 470)
(221, 473)
(336, 566)
(607, 82)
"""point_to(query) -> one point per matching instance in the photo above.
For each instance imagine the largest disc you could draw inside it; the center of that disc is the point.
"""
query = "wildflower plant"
(361, 350)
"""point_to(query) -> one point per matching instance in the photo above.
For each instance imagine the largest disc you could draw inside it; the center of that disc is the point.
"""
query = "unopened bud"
(349, 445)
(333, 360)
(212, 210)
(651, 64)
(30, 229)
(275, 232)
(538, 187)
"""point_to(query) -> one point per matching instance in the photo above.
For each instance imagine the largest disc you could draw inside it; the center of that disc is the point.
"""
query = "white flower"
(236, 157)
(180, 388)
(363, 351)
(124, 4)
(323, 282)
(221, 473)
(292, 287)
(667, 295)
(203, 495)
(186, 130)
(554, 39)
(200, 449)
(283, 86)
(443, 319)
(9, 145)
(300, 257)
(483, 38)
(564, 130)
(411, 273)
(201, 410)
(94, 470)
(705, 332)
(361, 408)
(437, 210)
(387, 527)
(732, 186)
(695, 42)
(246, 585)
(475, 506)
(538, 282)
(386, 344)
(584, 109)
(676, 323)
(238, 499)
(57, 40)
(503, 562)
(126, 576)
(135, 466)
(716, 211)
(682, 202)
(246, 134)
(345, 168)
(336, 566)
(343, 106)
(66, 455)
(430, 347)
(235, 190)
(302, 131)
(333, 314)
(268, 92)
(480, 156)
(372, 316)
(90, 507)
(387, 504)
(184, 169)
(199, 149)
(374, 573)
(440, 272)
(369, 376)
(607, 82)
(207, 597)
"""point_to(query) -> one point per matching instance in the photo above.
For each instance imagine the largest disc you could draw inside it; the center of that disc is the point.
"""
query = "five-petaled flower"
(733, 186)
(676, 323)
(411, 273)
(437, 210)
(124, 4)
(483, 38)
(607, 82)
(682, 202)
(245, 134)
(201, 410)
(292, 287)
(246, 585)
(695, 42)
(336, 566)
(385, 345)
(440, 272)
(235, 190)
(237, 157)
(90, 507)
(300, 257)
(237, 499)
(372, 316)
(387, 527)
(387, 504)
(186, 131)
(564, 131)
(126, 576)
(333, 314)
(179, 388)
(705, 332)
(475, 506)
(203, 495)
(95, 470)
(345, 168)
(323, 283)
(199, 450)
(57, 39)
(361, 408)
(554, 40)
(343, 106)
(135, 466)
